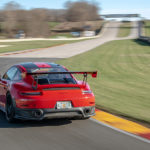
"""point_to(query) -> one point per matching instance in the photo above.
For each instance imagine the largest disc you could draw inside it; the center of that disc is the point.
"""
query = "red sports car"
(35, 91)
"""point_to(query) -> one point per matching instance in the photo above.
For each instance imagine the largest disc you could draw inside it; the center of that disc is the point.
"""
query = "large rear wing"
(85, 73)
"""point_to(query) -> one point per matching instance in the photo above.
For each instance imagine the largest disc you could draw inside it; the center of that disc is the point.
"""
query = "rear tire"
(10, 111)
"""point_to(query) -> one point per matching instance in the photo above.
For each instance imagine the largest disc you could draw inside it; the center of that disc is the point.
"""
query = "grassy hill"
(123, 83)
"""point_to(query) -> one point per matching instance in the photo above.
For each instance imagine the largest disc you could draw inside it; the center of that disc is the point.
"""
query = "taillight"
(86, 91)
(31, 93)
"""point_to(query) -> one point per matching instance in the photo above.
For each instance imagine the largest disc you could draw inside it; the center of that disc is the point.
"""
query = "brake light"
(94, 74)
(31, 93)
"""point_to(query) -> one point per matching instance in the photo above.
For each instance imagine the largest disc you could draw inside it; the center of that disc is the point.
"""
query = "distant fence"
(140, 37)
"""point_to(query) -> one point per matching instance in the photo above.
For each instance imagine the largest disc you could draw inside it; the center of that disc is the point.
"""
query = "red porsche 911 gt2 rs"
(35, 91)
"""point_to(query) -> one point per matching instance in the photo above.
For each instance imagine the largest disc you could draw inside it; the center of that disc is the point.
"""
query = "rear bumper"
(40, 114)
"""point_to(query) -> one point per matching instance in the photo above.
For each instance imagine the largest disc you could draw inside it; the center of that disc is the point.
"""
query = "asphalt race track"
(61, 134)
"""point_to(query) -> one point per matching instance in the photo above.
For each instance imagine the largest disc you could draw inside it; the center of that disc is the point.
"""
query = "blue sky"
(108, 6)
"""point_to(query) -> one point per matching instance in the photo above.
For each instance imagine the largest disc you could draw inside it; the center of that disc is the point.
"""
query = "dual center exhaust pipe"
(37, 113)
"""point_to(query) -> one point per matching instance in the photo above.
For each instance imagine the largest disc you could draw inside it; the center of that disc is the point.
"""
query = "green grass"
(53, 24)
(124, 29)
(16, 46)
(57, 35)
(123, 83)
(147, 28)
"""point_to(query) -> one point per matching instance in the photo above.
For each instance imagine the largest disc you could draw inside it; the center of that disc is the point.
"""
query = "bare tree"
(81, 11)
(57, 15)
(37, 23)
(33, 22)
(10, 21)
(10, 6)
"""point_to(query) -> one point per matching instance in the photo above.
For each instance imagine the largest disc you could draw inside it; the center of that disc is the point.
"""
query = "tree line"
(34, 22)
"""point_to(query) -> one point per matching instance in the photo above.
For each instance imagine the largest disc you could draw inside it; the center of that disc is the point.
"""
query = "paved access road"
(68, 50)
(61, 134)
(109, 33)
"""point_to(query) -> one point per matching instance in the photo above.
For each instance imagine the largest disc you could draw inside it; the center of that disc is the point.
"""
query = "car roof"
(30, 65)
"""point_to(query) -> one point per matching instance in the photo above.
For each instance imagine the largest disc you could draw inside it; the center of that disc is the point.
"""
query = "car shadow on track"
(25, 124)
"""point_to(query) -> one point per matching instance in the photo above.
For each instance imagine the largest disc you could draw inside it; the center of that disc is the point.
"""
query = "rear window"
(53, 78)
